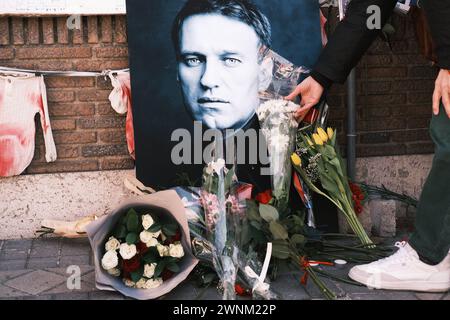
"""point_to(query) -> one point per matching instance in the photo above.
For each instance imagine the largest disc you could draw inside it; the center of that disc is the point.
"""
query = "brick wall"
(394, 92)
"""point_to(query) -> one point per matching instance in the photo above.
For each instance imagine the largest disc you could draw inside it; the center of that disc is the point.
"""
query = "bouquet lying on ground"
(320, 165)
(142, 250)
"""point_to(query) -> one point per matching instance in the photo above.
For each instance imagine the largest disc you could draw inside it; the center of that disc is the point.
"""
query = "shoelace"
(402, 255)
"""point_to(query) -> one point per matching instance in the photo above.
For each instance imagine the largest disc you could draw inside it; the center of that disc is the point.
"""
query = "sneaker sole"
(420, 286)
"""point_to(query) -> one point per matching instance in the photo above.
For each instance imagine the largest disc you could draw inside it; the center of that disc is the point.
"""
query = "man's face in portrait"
(220, 71)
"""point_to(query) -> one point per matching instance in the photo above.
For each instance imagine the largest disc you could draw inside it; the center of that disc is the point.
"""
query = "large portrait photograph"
(200, 69)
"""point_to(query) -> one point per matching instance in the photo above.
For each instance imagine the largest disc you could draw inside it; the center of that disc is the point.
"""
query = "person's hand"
(310, 92)
(442, 90)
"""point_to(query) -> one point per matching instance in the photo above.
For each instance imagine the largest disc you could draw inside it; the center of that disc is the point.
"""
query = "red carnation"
(264, 197)
(131, 265)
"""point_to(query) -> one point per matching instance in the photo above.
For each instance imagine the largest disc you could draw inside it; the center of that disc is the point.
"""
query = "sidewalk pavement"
(37, 269)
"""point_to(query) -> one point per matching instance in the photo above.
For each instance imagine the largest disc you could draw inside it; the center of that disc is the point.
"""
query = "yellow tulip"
(322, 134)
(296, 160)
(330, 133)
(317, 139)
(309, 142)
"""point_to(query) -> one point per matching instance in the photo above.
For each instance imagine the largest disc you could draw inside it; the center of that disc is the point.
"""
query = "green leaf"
(298, 239)
(229, 179)
(137, 275)
(268, 213)
(252, 211)
(152, 256)
(160, 268)
(173, 267)
(280, 249)
(120, 232)
(131, 238)
(169, 229)
(256, 225)
(132, 221)
(278, 231)
(154, 228)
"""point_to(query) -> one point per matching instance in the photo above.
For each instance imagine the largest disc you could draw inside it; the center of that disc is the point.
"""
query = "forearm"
(350, 40)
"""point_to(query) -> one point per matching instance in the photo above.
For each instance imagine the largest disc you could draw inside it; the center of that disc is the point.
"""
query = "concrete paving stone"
(21, 244)
(447, 297)
(7, 275)
(63, 288)
(105, 295)
(13, 254)
(89, 277)
(7, 265)
(66, 261)
(290, 287)
(75, 247)
(63, 270)
(38, 297)
(8, 292)
(43, 248)
(71, 296)
(186, 290)
(36, 282)
(42, 263)
(314, 292)
(384, 295)
(430, 296)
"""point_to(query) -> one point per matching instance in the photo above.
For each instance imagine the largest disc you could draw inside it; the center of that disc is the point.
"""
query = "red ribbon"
(305, 263)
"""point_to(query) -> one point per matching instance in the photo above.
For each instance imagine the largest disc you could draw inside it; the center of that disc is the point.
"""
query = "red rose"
(141, 248)
(240, 290)
(166, 274)
(131, 265)
(264, 197)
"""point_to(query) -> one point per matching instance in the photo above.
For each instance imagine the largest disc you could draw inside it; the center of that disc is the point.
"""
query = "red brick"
(105, 109)
(412, 110)
(418, 123)
(385, 124)
(47, 30)
(420, 148)
(379, 112)
(69, 82)
(335, 100)
(120, 32)
(38, 150)
(104, 150)
(99, 65)
(6, 53)
(378, 60)
(17, 30)
(93, 95)
(74, 137)
(117, 164)
(60, 65)
(101, 123)
(63, 124)
(62, 30)
(411, 135)
(412, 85)
(33, 31)
(375, 86)
(103, 83)
(424, 72)
(106, 27)
(92, 24)
(72, 109)
(408, 59)
(381, 99)
(4, 31)
(77, 34)
(380, 150)
(112, 136)
(375, 137)
(54, 53)
(386, 72)
(67, 151)
(63, 166)
(420, 97)
(111, 52)
(60, 96)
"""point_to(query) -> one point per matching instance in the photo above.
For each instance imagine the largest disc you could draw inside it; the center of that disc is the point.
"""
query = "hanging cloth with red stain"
(22, 96)
(120, 99)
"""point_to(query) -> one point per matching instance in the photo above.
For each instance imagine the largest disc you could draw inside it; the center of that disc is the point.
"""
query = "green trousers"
(431, 238)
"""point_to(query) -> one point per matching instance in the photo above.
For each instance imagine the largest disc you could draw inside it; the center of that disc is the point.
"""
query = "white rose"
(141, 284)
(151, 243)
(155, 234)
(149, 270)
(127, 251)
(176, 250)
(163, 250)
(112, 244)
(114, 272)
(128, 283)
(147, 221)
(145, 236)
(110, 260)
(153, 283)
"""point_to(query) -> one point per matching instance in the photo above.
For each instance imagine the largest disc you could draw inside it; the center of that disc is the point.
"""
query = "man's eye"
(232, 62)
(192, 62)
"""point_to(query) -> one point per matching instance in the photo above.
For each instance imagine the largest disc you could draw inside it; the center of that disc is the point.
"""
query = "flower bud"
(330, 133)
(296, 160)
(317, 139)
(322, 134)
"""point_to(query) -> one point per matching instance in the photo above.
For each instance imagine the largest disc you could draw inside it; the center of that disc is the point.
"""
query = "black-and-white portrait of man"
(202, 62)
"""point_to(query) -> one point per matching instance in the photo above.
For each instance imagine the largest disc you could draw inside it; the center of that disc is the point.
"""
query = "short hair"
(242, 10)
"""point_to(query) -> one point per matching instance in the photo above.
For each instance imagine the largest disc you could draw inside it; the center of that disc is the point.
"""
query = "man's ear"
(265, 73)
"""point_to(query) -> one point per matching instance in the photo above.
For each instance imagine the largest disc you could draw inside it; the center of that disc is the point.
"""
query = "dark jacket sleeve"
(438, 16)
(350, 41)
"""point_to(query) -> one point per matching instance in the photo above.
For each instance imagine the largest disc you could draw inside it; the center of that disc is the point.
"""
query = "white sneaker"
(404, 271)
